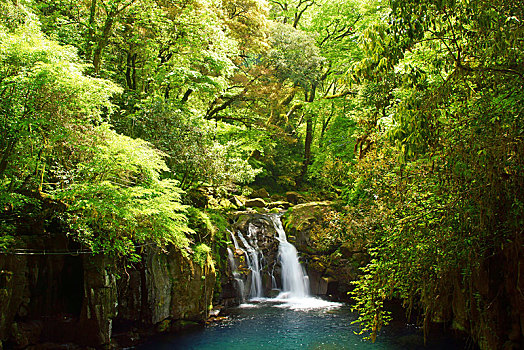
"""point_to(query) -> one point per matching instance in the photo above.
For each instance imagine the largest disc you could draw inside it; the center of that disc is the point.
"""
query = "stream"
(276, 324)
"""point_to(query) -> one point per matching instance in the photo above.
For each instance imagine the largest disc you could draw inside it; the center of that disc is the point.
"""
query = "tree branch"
(342, 94)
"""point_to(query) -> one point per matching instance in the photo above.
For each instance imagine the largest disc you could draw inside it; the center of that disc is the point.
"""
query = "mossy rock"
(255, 203)
(294, 197)
(198, 197)
(280, 204)
(303, 215)
(260, 193)
(179, 325)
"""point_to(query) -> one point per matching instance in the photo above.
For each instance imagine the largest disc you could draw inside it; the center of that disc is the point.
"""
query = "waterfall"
(253, 262)
(236, 275)
(295, 281)
(235, 242)
(273, 280)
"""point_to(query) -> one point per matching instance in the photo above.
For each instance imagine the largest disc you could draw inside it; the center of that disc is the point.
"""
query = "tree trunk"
(307, 146)
(186, 96)
(309, 137)
(102, 42)
(131, 70)
(7, 153)
(90, 29)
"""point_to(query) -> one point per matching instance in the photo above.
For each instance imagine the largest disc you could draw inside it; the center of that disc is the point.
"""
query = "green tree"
(446, 112)
(61, 162)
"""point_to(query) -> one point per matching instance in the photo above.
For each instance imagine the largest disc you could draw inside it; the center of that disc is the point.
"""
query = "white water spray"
(295, 281)
(236, 274)
(253, 263)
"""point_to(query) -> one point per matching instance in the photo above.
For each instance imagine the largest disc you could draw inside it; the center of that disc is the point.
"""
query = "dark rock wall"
(489, 304)
(39, 291)
(82, 299)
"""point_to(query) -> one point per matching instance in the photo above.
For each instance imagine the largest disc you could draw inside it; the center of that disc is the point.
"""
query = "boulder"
(255, 203)
(294, 197)
(277, 198)
(300, 219)
(226, 203)
(260, 193)
(279, 204)
(198, 197)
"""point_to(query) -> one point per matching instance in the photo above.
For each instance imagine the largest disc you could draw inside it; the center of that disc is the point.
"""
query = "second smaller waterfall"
(236, 275)
(253, 262)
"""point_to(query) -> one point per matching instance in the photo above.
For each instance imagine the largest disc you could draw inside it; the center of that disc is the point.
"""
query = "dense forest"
(118, 116)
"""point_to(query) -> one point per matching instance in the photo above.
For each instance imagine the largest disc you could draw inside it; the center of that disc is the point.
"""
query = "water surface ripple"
(276, 324)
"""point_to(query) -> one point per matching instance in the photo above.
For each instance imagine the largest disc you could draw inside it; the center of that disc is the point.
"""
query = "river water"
(280, 324)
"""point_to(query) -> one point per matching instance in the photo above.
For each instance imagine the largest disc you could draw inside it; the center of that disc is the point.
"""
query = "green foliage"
(334, 151)
(414, 108)
(12, 15)
(446, 119)
(201, 254)
(294, 55)
(47, 115)
(58, 160)
(117, 197)
(201, 224)
(6, 240)
(330, 231)
(371, 291)
(221, 225)
(335, 26)
(196, 157)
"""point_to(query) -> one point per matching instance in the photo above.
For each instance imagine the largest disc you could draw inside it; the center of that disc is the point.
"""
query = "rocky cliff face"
(331, 267)
(95, 300)
(489, 305)
(260, 232)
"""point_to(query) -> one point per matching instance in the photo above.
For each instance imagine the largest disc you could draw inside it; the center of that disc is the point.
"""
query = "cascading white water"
(253, 263)
(236, 274)
(273, 280)
(295, 281)
(235, 242)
